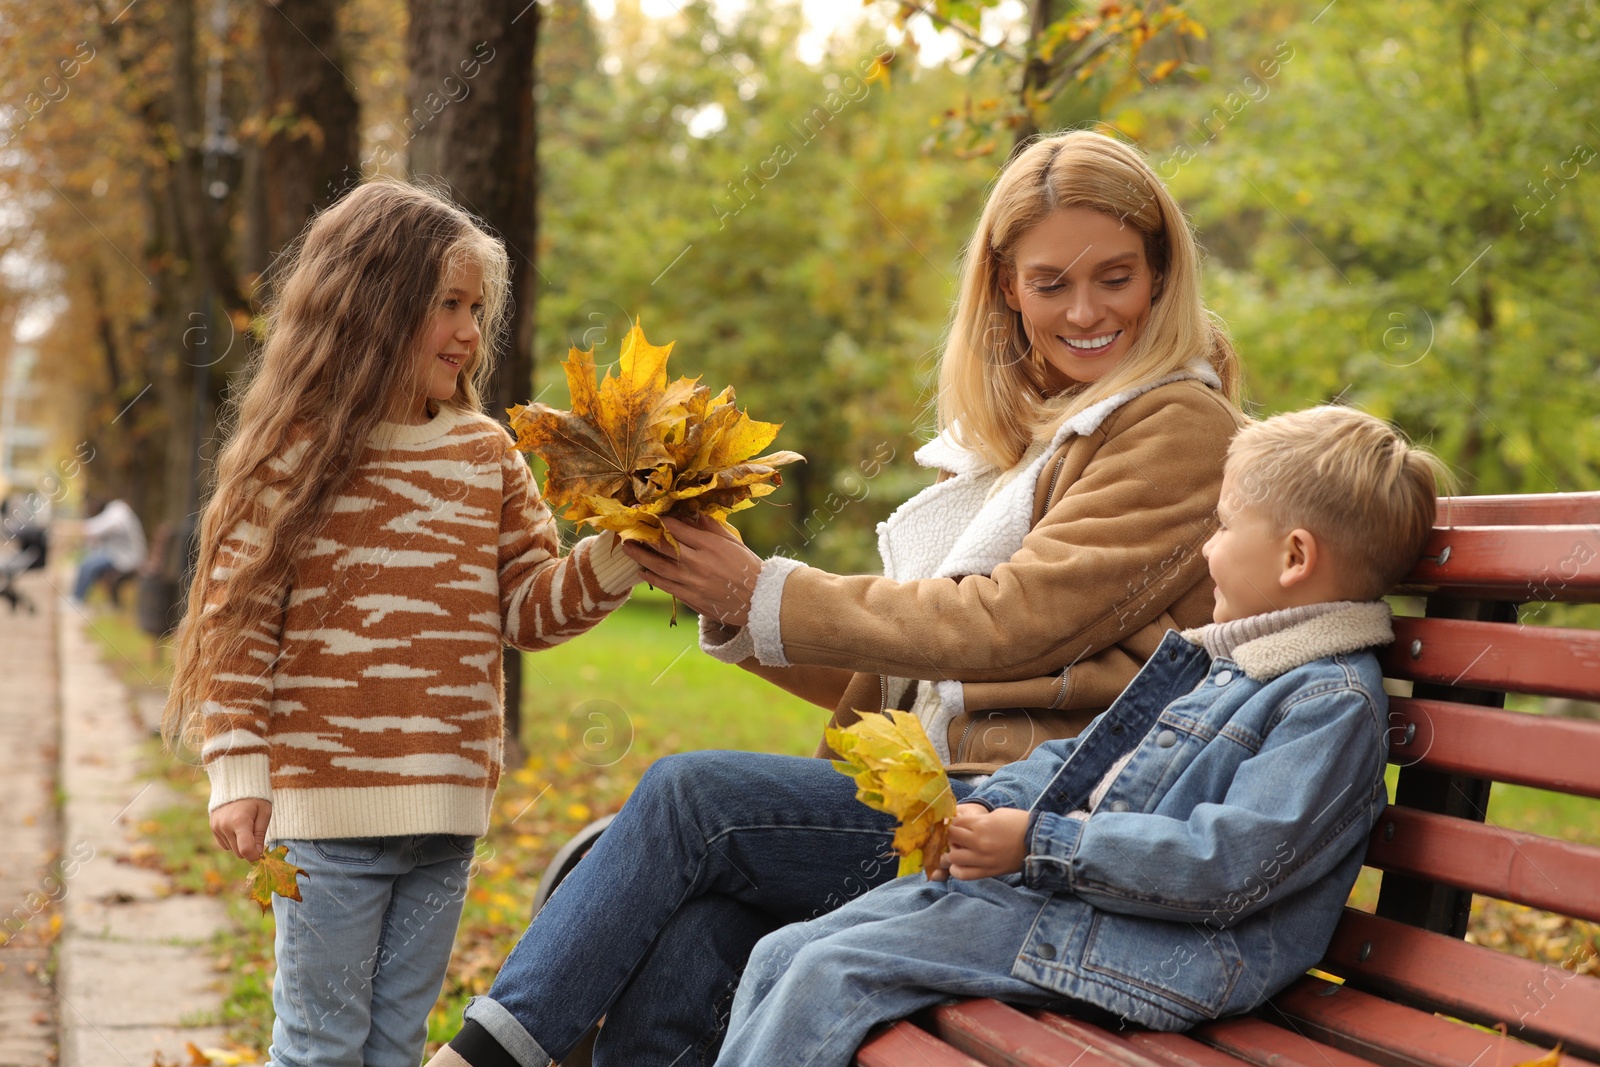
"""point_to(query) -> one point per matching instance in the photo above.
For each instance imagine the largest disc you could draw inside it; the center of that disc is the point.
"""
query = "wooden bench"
(1402, 986)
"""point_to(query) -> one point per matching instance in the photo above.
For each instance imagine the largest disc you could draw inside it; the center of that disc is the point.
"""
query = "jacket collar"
(1351, 628)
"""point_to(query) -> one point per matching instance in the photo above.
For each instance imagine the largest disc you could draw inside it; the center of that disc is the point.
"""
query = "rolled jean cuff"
(504, 1028)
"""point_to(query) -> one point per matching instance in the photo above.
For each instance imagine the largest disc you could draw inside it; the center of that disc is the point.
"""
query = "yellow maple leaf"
(897, 771)
(635, 449)
(1549, 1059)
(273, 873)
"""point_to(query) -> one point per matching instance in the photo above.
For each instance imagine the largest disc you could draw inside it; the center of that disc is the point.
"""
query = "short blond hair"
(1349, 478)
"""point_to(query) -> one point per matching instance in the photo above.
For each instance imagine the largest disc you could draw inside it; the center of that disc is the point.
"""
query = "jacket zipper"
(961, 745)
(1056, 474)
(883, 694)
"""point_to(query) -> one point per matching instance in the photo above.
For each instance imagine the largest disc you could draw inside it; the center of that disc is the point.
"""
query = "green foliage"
(1399, 200)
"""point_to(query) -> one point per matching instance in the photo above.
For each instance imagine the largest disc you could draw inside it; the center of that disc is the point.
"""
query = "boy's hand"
(984, 843)
(241, 827)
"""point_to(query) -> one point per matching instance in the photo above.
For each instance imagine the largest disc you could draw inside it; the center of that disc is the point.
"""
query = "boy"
(1187, 856)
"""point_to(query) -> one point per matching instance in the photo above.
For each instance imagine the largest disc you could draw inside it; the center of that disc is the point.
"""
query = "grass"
(597, 711)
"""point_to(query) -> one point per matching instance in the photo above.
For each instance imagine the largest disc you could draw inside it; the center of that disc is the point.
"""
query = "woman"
(1086, 399)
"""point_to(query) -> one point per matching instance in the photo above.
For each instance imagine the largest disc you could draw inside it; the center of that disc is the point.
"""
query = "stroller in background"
(28, 549)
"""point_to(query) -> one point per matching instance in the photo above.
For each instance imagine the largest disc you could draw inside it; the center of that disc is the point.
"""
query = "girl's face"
(1083, 288)
(449, 338)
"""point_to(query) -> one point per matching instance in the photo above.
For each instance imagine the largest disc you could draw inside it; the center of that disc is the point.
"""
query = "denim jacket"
(1214, 869)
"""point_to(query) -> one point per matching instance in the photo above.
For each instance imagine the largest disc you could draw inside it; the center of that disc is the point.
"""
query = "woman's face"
(1083, 288)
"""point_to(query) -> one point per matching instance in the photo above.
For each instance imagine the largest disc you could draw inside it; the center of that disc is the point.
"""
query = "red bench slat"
(1001, 1036)
(1256, 1041)
(1515, 509)
(904, 1043)
(1141, 1046)
(1543, 751)
(1539, 1002)
(1540, 872)
(1393, 1034)
(1492, 655)
(1518, 563)
(1180, 1050)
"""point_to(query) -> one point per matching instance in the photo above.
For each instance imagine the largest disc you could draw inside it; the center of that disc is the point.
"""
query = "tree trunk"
(472, 125)
(311, 151)
(1035, 74)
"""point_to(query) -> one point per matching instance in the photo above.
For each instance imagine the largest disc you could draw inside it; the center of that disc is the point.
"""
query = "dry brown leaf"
(635, 449)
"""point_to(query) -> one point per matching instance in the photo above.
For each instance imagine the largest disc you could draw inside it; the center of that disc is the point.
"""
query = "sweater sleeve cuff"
(766, 609)
(726, 643)
(616, 573)
(239, 778)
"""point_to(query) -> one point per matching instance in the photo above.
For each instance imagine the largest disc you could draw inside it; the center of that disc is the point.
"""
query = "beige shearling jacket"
(1048, 639)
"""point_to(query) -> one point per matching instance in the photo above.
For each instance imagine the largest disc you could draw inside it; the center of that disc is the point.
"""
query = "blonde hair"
(992, 396)
(354, 296)
(1348, 477)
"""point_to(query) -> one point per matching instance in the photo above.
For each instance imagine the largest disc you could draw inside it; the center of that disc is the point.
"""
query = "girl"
(370, 547)
(1087, 399)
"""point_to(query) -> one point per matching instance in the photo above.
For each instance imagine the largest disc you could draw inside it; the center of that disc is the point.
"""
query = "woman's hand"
(712, 571)
(240, 826)
(984, 843)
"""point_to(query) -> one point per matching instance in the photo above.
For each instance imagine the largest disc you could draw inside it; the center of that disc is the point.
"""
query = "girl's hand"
(712, 572)
(984, 843)
(240, 827)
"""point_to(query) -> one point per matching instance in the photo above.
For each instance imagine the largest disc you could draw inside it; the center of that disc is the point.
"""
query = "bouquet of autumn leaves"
(897, 771)
(635, 449)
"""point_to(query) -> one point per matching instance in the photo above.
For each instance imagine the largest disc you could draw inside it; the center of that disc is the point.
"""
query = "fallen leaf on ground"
(897, 771)
(273, 873)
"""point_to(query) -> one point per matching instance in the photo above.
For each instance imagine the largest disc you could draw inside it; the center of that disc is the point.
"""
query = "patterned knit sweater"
(370, 704)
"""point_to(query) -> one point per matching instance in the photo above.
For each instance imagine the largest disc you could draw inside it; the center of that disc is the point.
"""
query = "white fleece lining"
(766, 610)
(937, 703)
(736, 649)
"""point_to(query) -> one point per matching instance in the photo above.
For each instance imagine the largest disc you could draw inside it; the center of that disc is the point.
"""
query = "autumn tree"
(471, 124)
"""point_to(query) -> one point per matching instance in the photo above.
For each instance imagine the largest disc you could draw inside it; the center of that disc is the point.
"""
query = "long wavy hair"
(354, 297)
(993, 396)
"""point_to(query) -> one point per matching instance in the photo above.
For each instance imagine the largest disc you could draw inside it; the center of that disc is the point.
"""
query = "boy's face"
(1247, 556)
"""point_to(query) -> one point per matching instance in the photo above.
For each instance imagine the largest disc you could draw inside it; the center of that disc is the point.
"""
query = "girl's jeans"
(713, 851)
(362, 957)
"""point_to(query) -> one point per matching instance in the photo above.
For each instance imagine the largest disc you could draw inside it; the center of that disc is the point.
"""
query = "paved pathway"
(134, 980)
(29, 834)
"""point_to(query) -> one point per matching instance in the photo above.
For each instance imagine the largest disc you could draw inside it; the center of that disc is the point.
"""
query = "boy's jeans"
(362, 957)
(713, 851)
(813, 990)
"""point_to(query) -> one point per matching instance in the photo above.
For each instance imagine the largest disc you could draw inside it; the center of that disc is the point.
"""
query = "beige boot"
(447, 1057)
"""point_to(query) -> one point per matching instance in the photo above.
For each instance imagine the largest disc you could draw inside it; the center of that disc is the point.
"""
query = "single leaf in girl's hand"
(897, 771)
(273, 873)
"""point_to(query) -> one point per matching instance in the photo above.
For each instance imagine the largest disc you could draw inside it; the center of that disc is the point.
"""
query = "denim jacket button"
(1046, 952)
(1166, 739)
(1224, 677)
(1119, 805)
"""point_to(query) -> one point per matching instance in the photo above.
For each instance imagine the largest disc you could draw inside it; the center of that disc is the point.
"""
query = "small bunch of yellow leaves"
(897, 771)
(273, 873)
(635, 449)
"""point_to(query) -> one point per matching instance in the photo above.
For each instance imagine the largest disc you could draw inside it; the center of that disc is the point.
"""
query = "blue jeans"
(93, 566)
(813, 990)
(362, 957)
(713, 851)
